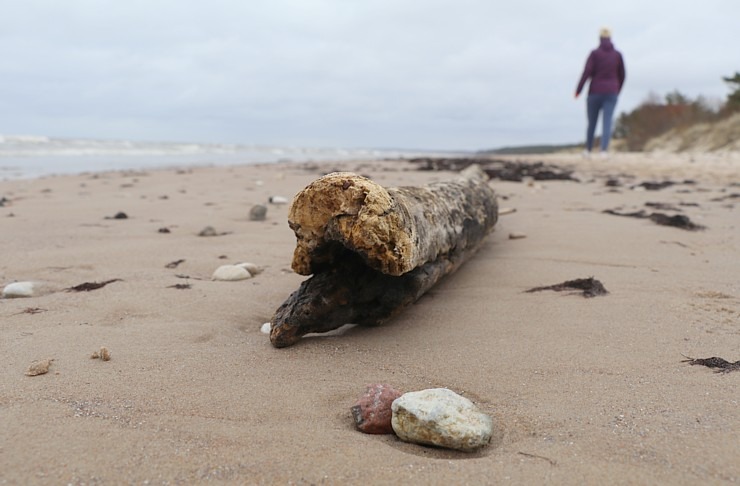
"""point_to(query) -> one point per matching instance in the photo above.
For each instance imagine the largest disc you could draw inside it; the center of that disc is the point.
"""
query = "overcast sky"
(419, 74)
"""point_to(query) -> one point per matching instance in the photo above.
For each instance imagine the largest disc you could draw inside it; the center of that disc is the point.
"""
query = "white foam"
(24, 156)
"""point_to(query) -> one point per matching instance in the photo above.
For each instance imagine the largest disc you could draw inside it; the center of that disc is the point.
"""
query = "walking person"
(605, 69)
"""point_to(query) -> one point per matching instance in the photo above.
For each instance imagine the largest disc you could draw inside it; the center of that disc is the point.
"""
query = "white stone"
(19, 289)
(278, 200)
(251, 268)
(230, 273)
(442, 418)
(265, 329)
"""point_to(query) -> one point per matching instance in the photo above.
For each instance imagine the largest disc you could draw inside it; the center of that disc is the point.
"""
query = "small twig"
(30, 310)
(535, 456)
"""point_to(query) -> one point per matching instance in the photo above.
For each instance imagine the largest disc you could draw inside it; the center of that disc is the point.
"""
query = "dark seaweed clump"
(721, 365)
(677, 220)
(590, 287)
(504, 170)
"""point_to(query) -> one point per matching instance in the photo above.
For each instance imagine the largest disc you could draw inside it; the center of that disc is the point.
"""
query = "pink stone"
(372, 413)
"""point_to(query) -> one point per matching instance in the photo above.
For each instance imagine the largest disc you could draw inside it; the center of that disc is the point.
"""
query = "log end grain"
(354, 212)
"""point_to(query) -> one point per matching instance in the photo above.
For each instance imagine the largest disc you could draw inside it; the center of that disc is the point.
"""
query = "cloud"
(436, 74)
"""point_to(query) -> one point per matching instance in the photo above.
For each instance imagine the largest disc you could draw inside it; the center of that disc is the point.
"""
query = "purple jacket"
(605, 67)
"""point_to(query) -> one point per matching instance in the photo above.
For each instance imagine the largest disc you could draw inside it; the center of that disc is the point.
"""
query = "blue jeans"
(594, 104)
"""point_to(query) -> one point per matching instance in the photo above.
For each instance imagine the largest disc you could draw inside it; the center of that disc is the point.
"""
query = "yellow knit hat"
(605, 33)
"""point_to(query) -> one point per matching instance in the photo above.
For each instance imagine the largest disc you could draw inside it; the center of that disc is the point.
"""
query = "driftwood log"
(372, 251)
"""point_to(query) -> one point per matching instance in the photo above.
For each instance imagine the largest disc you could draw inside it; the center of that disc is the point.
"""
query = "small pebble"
(517, 236)
(251, 268)
(208, 231)
(18, 290)
(278, 200)
(103, 354)
(39, 367)
(372, 412)
(231, 273)
(265, 328)
(258, 213)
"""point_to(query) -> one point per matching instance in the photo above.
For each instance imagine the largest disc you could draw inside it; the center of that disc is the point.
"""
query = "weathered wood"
(373, 251)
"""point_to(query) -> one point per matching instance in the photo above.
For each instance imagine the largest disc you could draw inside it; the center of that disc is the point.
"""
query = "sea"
(31, 156)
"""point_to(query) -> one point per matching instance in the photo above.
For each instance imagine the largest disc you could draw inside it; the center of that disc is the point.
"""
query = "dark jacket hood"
(606, 44)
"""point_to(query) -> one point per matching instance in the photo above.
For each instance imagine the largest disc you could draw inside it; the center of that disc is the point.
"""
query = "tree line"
(656, 116)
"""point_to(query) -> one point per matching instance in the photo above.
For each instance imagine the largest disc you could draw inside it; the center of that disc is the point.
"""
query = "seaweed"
(30, 310)
(88, 286)
(662, 206)
(721, 364)
(657, 186)
(498, 169)
(590, 287)
(184, 286)
(677, 220)
(174, 264)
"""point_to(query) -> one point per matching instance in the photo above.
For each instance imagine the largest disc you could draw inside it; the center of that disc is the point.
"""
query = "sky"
(410, 74)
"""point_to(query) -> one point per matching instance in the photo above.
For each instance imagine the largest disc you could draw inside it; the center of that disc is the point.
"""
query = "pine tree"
(733, 99)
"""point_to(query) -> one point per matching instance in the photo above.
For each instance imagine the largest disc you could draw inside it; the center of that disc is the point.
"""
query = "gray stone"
(258, 212)
(208, 231)
(442, 418)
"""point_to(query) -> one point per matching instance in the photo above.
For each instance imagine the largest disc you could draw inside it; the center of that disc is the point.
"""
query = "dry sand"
(582, 391)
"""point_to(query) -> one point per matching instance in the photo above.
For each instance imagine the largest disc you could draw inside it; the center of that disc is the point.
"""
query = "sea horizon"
(32, 156)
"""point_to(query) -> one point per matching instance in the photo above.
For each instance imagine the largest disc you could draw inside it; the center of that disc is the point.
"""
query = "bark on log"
(373, 251)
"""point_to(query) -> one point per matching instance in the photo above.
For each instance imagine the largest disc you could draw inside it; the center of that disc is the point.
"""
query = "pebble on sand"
(103, 354)
(442, 418)
(258, 212)
(517, 236)
(265, 328)
(372, 412)
(18, 290)
(208, 231)
(231, 273)
(40, 367)
(278, 200)
(252, 268)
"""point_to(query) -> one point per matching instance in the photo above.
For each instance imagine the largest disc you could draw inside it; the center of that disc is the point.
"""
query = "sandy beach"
(581, 390)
